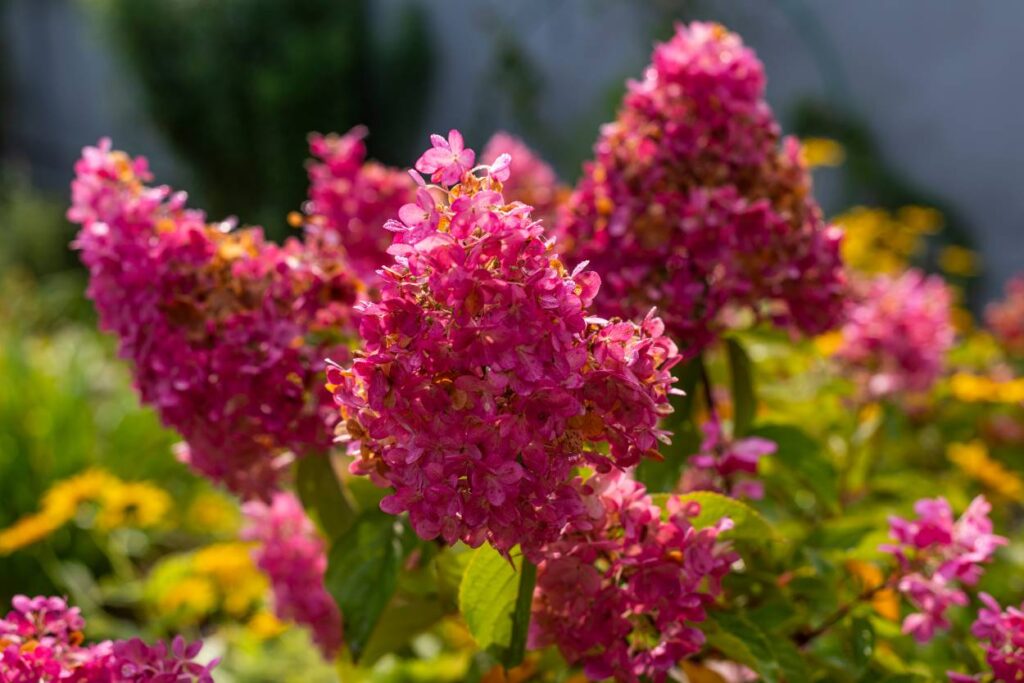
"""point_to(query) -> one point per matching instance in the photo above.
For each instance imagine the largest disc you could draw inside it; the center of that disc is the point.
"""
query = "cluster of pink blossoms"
(351, 198)
(292, 554)
(1006, 318)
(936, 556)
(725, 465)
(897, 335)
(619, 592)
(41, 642)
(482, 383)
(532, 181)
(1003, 633)
(692, 205)
(227, 333)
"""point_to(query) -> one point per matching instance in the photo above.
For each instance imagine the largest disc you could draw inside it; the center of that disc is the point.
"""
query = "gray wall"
(937, 80)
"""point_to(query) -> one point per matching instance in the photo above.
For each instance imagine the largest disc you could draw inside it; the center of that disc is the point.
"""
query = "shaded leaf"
(362, 573)
(741, 377)
(804, 457)
(323, 495)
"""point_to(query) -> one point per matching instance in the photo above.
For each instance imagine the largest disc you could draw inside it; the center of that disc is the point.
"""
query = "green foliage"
(236, 85)
(362, 573)
(324, 495)
(741, 377)
(494, 599)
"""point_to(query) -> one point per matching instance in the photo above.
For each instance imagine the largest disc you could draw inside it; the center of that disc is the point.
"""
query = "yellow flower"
(958, 261)
(877, 241)
(62, 500)
(193, 597)
(978, 388)
(822, 152)
(26, 531)
(827, 344)
(212, 513)
(136, 504)
(265, 625)
(974, 460)
(922, 220)
(230, 567)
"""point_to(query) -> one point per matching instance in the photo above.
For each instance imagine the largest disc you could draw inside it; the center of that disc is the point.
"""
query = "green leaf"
(494, 598)
(403, 620)
(748, 524)
(804, 457)
(741, 376)
(362, 573)
(741, 640)
(323, 495)
(791, 661)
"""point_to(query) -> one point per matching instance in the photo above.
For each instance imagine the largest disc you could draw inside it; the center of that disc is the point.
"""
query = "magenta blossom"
(619, 592)
(226, 332)
(1006, 318)
(727, 466)
(530, 180)
(292, 554)
(897, 335)
(351, 198)
(41, 642)
(448, 160)
(483, 382)
(692, 202)
(937, 556)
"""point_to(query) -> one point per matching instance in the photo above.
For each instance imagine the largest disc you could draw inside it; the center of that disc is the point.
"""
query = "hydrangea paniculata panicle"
(482, 382)
(1002, 633)
(350, 199)
(41, 640)
(694, 205)
(292, 554)
(532, 181)
(725, 465)
(226, 332)
(937, 555)
(1006, 318)
(896, 336)
(619, 593)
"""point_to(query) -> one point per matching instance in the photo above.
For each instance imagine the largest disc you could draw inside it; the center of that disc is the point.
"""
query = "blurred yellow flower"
(885, 601)
(212, 513)
(822, 152)
(974, 460)
(265, 625)
(26, 531)
(827, 344)
(191, 598)
(132, 504)
(62, 499)
(878, 241)
(978, 388)
(230, 567)
(960, 261)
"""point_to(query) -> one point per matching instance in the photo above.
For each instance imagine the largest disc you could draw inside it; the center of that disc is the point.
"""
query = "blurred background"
(220, 95)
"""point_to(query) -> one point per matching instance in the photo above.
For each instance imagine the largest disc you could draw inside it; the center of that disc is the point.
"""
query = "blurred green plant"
(236, 85)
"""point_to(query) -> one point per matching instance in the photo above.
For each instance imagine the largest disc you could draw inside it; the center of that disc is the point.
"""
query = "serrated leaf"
(323, 495)
(741, 379)
(748, 524)
(490, 602)
(804, 457)
(362, 573)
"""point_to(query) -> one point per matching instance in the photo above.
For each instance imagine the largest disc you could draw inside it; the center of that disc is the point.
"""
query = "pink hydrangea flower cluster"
(41, 641)
(532, 181)
(725, 465)
(619, 592)
(1003, 636)
(937, 556)
(897, 335)
(1006, 318)
(292, 554)
(351, 198)
(226, 332)
(692, 205)
(482, 383)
